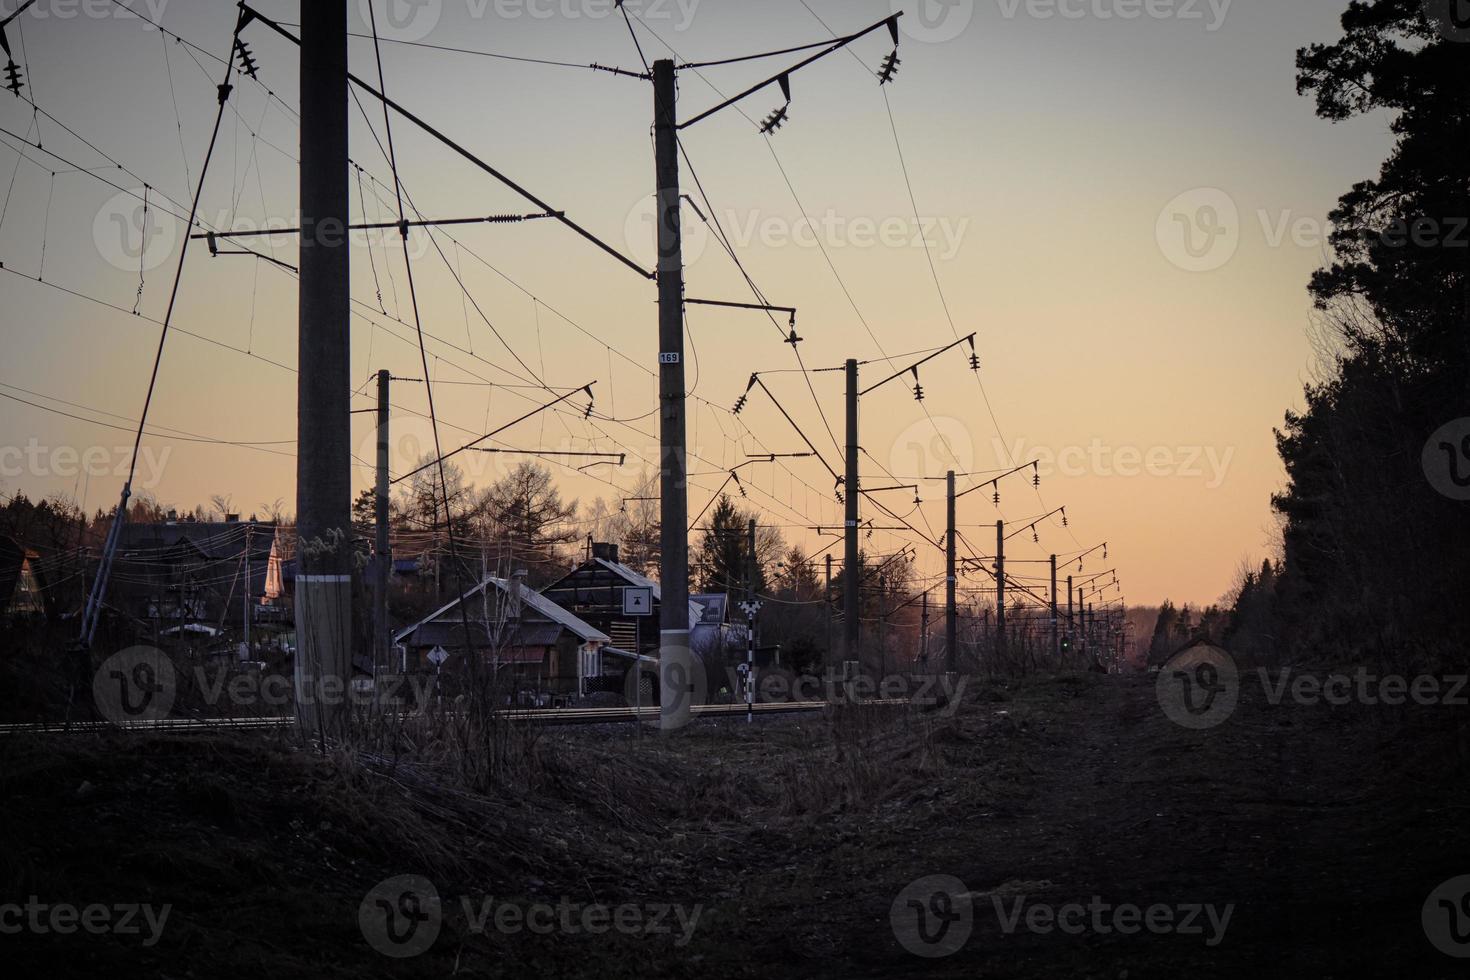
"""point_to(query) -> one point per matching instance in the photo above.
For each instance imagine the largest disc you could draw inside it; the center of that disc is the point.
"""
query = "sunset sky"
(1081, 177)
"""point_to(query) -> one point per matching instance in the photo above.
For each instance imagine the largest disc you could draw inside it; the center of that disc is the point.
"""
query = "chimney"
(605, 550)
(173, 516)
(517, 583)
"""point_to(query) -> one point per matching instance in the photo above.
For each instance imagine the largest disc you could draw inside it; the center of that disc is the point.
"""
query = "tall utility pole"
(1000, 586)
(882, 625)
(950, 581)
(924, 630)
(323, 432)
(851, 573)
(1056, 650)
(750, 563)
(1081, 617)
(382, 549)
(828, 607)
(750, 618)
(1071, 636)
(245, 593)
(676, 662)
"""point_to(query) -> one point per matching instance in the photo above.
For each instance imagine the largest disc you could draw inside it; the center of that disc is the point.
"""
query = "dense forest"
(1372, 515)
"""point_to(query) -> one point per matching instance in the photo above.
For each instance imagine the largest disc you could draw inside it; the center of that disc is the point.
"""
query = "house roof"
(447, 633)
(696, 609)
(565, 617)
(633, 578)
(629, 655)
(399, 566)
(552, 612)
(217, 540)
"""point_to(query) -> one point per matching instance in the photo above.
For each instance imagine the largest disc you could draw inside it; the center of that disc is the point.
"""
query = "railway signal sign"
(637, 601)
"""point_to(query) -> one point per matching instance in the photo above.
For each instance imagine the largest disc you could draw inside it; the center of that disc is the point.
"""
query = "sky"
(1122, 200)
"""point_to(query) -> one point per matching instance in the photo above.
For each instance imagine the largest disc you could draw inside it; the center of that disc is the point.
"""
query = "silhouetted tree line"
(1374, 554)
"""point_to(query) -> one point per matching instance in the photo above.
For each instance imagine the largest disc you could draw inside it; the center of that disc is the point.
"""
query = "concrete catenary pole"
(1071, 637)
(382, 549)
(1056, 649)
(827, 605)
(1000, 586)
(950, 580)
(323, 462)
(924, 629)
(851, 572)
(245, 593)
(750, 596)
(676, 662)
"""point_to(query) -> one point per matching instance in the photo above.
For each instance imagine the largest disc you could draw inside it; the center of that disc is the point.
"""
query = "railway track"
(550, 716)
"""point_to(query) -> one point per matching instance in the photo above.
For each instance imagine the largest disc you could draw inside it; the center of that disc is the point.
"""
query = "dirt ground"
(1323, 830)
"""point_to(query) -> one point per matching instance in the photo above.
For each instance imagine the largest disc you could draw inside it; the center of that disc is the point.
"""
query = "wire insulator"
(773, 122)
(12, 78)
(889, 67)
(974, 362)
(247, 61)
